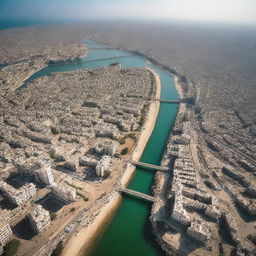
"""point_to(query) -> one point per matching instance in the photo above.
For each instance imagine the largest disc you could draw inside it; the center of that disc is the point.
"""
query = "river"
(129, 232)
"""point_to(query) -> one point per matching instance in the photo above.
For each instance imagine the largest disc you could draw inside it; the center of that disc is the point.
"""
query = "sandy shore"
(81, 243)
(147, 130)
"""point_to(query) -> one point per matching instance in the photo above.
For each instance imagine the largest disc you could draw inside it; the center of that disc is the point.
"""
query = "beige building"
(45, 175)
(179, 213)
(5, 233)
(39, 219)
(64, 192)
(105, 147)
(18, 196)
(199, 230)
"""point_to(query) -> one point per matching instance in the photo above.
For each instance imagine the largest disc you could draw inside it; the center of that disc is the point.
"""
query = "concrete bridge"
(168, 101)
(137, 194)
(150, 166)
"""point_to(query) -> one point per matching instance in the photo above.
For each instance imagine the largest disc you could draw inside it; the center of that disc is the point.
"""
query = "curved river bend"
(129, 233)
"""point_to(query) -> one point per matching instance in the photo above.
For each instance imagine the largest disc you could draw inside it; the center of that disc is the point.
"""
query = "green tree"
(12, 247)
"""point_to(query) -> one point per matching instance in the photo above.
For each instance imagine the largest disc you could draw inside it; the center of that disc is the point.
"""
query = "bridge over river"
(137, 194)
(150, 166)
(80, 61)
(168, 101)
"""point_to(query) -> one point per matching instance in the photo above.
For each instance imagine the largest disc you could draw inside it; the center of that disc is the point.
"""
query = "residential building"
(39, 219)
(179, 213)
(105, 147)
(18, 196)
(199, 230)
(45, 175)
(102, 165)
(64, 192)
(5, 233)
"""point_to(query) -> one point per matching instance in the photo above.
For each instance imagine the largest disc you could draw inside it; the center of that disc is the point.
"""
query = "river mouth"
(130, 231)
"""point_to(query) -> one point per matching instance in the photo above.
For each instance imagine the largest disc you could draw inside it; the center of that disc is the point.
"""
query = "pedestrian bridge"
(137, 194)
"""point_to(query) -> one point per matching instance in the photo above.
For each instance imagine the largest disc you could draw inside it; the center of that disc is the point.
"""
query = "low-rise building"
(102, 165)
(5, 233)
(88, 161)
(39, 219)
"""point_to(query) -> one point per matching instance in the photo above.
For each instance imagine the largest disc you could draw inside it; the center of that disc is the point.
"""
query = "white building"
(179, 213)
(5, 233)
(64, 192)
(102, 165)
(45, 175)
(39, 219)
(18, 196)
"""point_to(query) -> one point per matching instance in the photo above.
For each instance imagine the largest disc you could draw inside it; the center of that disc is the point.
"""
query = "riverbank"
(162, 185)
(178, 87)
(84, 240)
(147, 130)
(15, 75)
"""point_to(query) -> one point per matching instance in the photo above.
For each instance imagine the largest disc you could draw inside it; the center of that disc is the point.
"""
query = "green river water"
(129, 232)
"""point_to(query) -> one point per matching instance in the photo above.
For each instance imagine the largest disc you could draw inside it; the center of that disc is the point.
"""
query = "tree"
(57, 251)
(12, 247)
(124, 151)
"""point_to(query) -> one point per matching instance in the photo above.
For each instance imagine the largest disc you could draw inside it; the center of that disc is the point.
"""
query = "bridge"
(137, 194)
(102, 48)
(168, 101)
(150, 166)
(88, 61)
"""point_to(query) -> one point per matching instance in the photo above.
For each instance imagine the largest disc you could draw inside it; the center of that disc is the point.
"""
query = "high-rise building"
(102, 165)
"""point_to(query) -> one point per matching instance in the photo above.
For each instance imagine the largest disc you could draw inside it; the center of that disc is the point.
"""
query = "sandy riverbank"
(147, 130)
(81, 243)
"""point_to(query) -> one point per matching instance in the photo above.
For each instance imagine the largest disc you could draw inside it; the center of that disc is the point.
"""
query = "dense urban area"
(61, 149)
(64, 148)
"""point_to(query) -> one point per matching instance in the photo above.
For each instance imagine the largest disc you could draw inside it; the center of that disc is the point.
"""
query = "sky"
(229, 11)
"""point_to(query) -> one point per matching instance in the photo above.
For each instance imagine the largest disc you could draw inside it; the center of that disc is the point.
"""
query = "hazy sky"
(238, 11)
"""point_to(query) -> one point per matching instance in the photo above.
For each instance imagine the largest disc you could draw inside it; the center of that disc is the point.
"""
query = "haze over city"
(228, 11)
